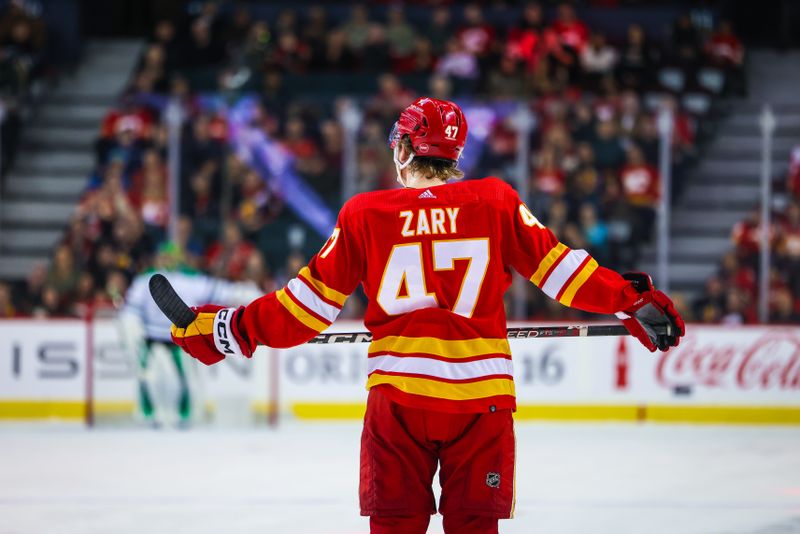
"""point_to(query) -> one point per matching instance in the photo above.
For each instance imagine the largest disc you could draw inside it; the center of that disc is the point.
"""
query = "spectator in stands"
(475, 36)
(400, 36)
(258, 205)
(440, 30)
(607, 147)
(746, 237)
(572, 33)
(726, 51)
(735, 274)
(315, 35)
(290, 55)
(594, 232)
(685, 44)
(525, 42)
(51, 304)
(202, 49)
(202, 203)
(236, 30)
(737, 309)
(505, 81)
(549, 179)
(164, 36)
(709, 307)
(422, 60)
(392, 97)
(375, 54)
(338, 55)
(598, 60)
(641, 186)
(228, 257)
(637, 60)
(257, 47)
(783, 309)
(357, 28)
(190, 247)
(623, 246)
(459, 64)
(63, 273)
(7, 308)
(787, 248)
(149, 196)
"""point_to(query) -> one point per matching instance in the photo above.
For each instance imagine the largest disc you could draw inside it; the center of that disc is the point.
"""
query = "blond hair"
(432, 168)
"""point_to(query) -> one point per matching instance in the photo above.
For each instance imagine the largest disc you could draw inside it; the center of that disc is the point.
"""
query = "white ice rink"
(303, 479)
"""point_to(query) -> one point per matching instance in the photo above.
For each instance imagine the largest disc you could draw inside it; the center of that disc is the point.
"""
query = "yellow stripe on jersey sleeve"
(202, 325)
(299, 313)
(547, 262)
(325, 291)
(577, 282)
(446, 348)
(445, 390)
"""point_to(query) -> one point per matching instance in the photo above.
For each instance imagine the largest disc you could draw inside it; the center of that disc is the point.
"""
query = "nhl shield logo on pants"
(493, 480)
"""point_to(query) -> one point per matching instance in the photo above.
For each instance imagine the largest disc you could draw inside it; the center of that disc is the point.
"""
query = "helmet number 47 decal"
(451, 132)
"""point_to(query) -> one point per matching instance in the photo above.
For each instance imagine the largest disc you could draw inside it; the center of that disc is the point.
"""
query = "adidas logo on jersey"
(427, 194)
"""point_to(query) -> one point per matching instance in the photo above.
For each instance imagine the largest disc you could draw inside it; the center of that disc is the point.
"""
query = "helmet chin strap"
(400, 165)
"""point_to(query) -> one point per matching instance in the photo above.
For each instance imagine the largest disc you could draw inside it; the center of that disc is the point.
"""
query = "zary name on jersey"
(429, 221)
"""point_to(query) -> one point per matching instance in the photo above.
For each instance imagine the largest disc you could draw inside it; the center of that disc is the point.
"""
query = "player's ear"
(403, 153)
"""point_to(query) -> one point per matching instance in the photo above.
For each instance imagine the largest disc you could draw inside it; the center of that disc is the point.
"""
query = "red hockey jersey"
(435, 264)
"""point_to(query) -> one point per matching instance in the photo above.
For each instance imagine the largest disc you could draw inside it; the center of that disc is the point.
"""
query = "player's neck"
(415, 181)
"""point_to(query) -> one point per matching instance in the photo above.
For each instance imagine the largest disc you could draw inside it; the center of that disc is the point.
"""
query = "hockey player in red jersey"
(434, 260)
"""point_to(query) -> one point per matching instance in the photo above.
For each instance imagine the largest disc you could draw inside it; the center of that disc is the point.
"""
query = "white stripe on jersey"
(563, 271)
(311, 300)
(440, 369)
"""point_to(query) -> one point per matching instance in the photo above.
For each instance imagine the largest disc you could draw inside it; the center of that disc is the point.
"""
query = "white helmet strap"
(396, 156)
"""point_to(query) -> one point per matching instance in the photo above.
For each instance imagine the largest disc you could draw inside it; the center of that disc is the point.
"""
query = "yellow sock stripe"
(577, 282)
(203, 325)
(299, 313)
(547, 262)
(445, 390)
(325, 291)
(446, 348)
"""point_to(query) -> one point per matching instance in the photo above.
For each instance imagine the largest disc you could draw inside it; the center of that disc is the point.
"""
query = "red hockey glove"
(213, 335)
(652, 309)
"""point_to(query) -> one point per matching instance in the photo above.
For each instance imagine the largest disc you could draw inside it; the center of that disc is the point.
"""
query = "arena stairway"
(725, 185)
(56, 155)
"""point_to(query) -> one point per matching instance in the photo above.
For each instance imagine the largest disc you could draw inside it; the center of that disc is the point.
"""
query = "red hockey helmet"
(436, 128)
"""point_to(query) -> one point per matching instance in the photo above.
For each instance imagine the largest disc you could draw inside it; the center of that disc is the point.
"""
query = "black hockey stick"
(181, 316)
(169, 302)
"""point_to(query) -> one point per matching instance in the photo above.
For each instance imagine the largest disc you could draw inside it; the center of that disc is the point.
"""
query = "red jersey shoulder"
(492, 188)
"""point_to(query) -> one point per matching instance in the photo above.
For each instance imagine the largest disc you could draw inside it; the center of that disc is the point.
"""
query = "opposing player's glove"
(652, 309)
(213, 335)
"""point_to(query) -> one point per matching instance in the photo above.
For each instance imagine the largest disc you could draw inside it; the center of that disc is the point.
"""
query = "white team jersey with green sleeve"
(195, 289)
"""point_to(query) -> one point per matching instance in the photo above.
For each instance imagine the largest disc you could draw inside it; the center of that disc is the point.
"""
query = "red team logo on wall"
(770, 362)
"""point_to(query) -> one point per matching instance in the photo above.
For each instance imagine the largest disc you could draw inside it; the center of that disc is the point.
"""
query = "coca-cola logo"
(771, 361)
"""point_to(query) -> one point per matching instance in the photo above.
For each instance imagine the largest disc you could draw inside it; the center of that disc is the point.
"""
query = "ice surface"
(302, 478)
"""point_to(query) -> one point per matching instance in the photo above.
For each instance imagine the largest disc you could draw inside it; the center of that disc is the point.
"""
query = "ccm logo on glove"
(213, 335)
(222, 327)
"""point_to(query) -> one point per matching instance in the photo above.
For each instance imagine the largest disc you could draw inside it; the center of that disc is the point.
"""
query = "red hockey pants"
(401, 448)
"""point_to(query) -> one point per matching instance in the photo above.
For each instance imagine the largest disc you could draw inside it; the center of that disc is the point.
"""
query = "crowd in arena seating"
(593, 169)
(23, 37)
(731, 295)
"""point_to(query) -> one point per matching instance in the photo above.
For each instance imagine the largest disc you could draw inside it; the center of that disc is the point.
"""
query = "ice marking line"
(88, 500)
(164, 500)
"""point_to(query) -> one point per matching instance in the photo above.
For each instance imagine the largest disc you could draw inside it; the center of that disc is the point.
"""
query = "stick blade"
(169, 302)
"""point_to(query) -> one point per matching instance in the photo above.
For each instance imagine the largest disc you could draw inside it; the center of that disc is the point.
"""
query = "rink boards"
(718, 374)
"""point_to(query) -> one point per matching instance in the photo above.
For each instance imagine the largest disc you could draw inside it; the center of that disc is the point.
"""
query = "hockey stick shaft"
(524, 332)
(170, 303)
